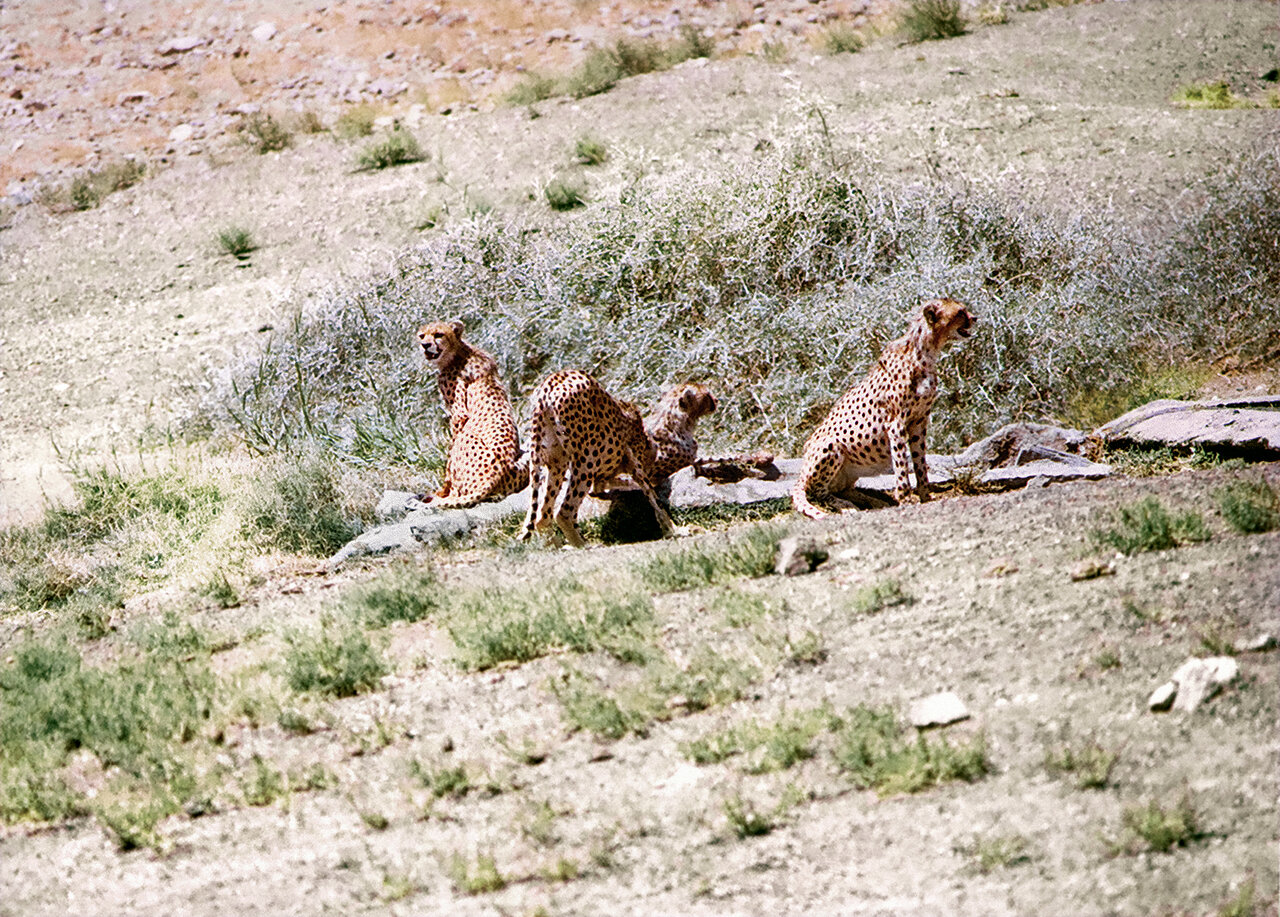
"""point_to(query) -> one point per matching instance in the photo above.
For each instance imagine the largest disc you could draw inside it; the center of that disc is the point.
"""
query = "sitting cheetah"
(579, 430)
(485, 449)
(869, 429)
(671, 424)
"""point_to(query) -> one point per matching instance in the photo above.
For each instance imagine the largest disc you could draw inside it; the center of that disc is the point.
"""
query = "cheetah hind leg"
(567, 514)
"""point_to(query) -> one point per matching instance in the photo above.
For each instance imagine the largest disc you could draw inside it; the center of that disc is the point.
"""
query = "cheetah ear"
(930, 312)
(457, 327)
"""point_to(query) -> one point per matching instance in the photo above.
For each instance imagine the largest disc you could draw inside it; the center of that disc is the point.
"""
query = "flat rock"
(938, 709)
(1021, 443)
(181, 45)
(1161, 698)
(1251, 423)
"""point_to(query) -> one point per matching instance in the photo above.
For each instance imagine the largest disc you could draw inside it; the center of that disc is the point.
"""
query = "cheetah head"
(695, 401)
(440, 338)
(947, 319)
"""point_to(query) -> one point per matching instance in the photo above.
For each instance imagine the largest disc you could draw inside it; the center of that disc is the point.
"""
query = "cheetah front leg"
(901, 457)
(916, 440)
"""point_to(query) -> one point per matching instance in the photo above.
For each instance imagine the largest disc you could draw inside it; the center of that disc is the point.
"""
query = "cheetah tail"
(800, 500)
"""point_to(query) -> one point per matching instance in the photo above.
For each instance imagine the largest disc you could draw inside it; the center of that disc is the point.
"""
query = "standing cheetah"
(485, 448)
(580, 431)
(670, 427)
(871, 426)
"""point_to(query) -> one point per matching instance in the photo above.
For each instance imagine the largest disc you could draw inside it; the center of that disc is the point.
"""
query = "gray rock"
(1021, 443)
(799, 554)
(1161, 698)
(1197, 680)
(1251, 423)
(396, 504)
(937, 710)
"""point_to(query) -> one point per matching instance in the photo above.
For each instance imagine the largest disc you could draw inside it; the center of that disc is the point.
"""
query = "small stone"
(798, 554)
(937, 710)
(1262, 643)
(181, 45)
(181, 134)
(1001, 566)
(600, 753)
(1161, 698)
(1092, 569)
(264, 31)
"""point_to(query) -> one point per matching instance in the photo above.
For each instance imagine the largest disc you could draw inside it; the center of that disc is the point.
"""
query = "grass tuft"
(1212, 95)
(1148, 526)
(931, 20)
(590, 151)
(565, 194)
(480, 878)
(397, 148)
(265, 134)
(406, 592)
(1090, 764)
(1250, 507)
(1156, 828)
(89, 188)
(841, 38)
(336, 661)
(236, 241)
(996, 852)
(750, 554)
(873, 599)
(872, 749)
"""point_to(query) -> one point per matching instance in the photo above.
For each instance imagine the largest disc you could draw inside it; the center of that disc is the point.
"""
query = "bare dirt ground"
(114, 316)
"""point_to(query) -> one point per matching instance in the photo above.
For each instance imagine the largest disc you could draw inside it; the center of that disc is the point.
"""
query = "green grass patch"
(875, 598)
(1250, 507)
(406, 592)
(726, 515)
(764, 747)
(397, 148)
(333, 660)
(355, 121)
(1148, 526)
(493, 626)
(750, 554)
(1148, 462)
(448, 780)
(874, 751)
(841, 38)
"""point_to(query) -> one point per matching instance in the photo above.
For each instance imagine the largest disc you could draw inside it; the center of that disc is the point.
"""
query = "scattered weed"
(1156, 828)
(133, 824)
(530, 752)
(396, 886)
(478, 879)
(1141, 462)
(236, 241)
(584, 706)
(219, 590)
(1148, 526)
(1106, 659)
(534, 87)
(1089, 763)
(1242, 903)
(335, 661)
(745, 820)
(740, 609)
(725, 515)
(1250, 507)
(565, 194)
(397, 148)
(540, 824)
(563, 870)
(930, 20)
(873, 750)
(873, 599)
(376, 821)
(265, 134)
(994, 852)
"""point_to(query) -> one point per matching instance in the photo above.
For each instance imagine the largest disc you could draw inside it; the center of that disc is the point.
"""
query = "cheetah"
(579, 430)
(872, 426)
(484, 453)
(671, 424)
